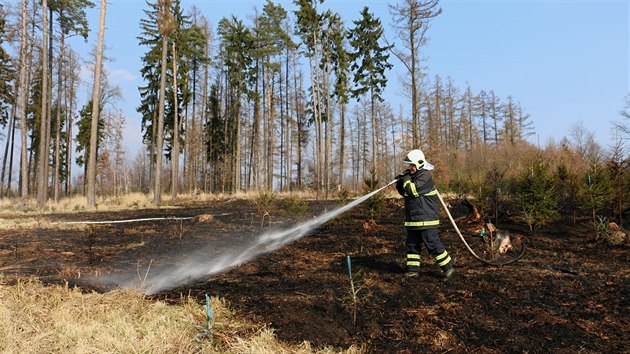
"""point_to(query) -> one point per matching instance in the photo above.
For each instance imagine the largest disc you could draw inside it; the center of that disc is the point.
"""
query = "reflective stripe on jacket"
(421, 200)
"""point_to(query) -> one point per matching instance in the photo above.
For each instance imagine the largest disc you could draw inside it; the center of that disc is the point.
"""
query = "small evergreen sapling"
(537, 196)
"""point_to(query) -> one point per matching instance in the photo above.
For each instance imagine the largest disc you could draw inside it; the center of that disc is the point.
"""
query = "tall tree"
(307, 27)
(91, 169)
(149, 94)
(42, 177)
(369, 66)
(236, 59)
(23, 94)
(7, 73)
(273, 38)
(496, 118)
(186, 42)
(483, 115)
(7, 83)
(214, 137)
(72, 20)
(340, 59)
(198, 39)
(411, 22)
(468, 112)
(329, 23)
(166, 25)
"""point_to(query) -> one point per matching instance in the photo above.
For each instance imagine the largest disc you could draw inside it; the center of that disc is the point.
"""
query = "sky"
(565, 61)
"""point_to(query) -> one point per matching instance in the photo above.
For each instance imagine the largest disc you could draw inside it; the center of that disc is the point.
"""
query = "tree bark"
(175, 152)
(42, 178)
(58, 125)
(96, 95)
(23, 99)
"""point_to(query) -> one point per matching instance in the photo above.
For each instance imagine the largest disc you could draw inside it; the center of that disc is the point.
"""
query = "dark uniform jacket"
(422, 204)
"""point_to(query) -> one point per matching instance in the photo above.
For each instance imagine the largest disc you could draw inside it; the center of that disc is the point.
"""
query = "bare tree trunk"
(287, 133)
(165, 29)
(281, 101)
(152, 151)
(269, 128)
(69, 122)
(204, 102)
(23, 93)
(318, 127)
(327, 130)
(256, 152)
(237, 149)
(160, 128)
(58, 125)
(11, 157)
(42, 178)
(298, 112)
(96, 94)
(176, 126)
(374, 173)
(6, 149)
(48, 134)
(342, 142)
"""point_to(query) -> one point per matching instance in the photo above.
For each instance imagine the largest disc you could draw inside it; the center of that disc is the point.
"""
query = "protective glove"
(402, 175)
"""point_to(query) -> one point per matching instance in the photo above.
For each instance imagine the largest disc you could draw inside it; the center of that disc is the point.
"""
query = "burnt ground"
(569, 293)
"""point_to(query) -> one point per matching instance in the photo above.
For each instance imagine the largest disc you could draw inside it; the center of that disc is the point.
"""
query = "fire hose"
(450, 217)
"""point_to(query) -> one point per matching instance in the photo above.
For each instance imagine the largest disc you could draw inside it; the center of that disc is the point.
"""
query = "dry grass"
(19, 206)
(52, 319)
(36, 222)
(16, 213)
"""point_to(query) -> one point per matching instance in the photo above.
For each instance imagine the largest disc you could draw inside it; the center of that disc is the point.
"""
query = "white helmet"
(415, 157)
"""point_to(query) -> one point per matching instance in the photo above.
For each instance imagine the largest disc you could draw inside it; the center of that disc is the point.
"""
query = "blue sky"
(565, 61)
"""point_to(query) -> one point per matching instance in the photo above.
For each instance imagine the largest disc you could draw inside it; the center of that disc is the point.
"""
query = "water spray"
(202, 265)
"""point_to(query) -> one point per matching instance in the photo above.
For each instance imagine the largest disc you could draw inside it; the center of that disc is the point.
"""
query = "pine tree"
(308, 28)
(236, 60)
(7, 82)
(369, 63)
(215, 138)
(84, 132)
(272, 39)
(567, 186)
(7, 73)
(597, 190)
(536, 194)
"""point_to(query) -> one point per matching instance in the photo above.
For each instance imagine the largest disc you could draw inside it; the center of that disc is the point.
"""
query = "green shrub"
(295, 207)
(537, 196)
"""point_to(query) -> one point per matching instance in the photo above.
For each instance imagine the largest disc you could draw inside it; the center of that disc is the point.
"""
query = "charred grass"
(568, 294)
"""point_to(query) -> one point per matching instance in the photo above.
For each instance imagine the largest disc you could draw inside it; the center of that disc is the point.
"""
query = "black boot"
(448, 274)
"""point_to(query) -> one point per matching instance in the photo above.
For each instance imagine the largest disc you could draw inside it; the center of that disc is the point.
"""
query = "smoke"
(204, 264)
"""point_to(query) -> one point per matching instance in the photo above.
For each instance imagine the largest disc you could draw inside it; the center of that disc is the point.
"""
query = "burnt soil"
(569, 293)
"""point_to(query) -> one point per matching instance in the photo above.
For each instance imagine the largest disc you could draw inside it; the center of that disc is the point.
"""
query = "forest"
(281, 101)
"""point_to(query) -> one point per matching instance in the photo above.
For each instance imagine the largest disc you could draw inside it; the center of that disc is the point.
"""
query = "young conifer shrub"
(536, 193)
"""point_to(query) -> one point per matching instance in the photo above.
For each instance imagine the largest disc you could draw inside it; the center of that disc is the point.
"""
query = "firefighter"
(422, 215)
